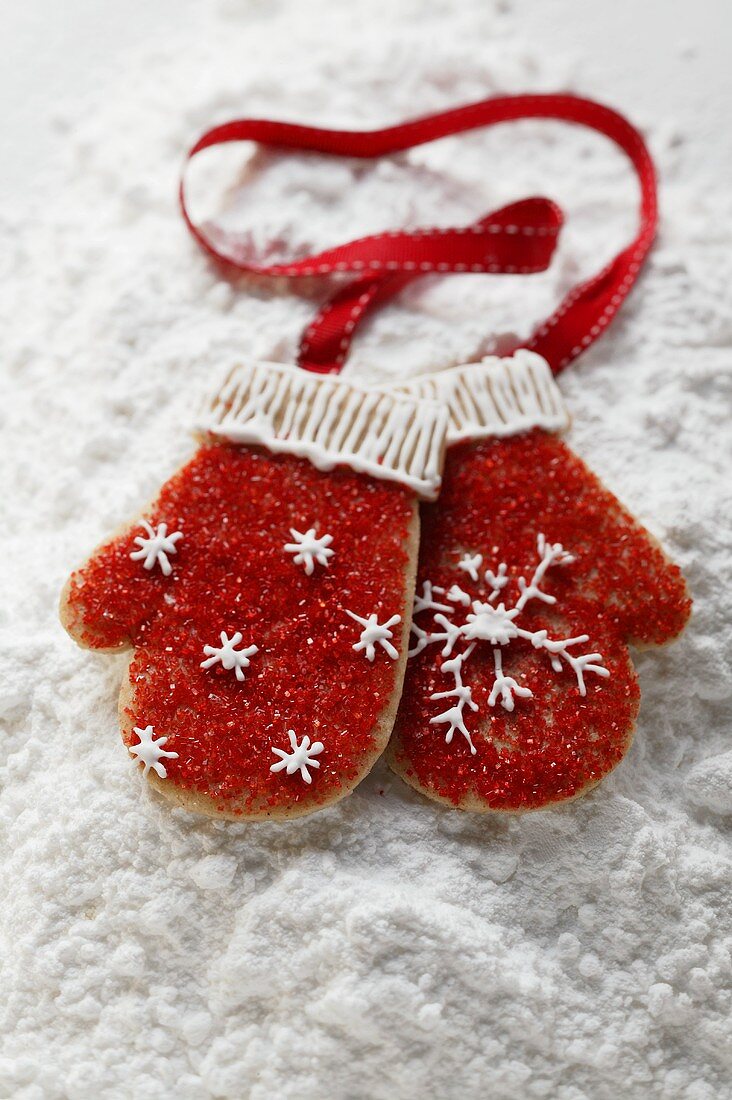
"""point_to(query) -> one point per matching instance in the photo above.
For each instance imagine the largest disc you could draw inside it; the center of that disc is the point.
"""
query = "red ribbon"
(517, 239)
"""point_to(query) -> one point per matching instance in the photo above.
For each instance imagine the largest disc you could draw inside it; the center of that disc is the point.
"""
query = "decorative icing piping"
(453, 716)
(156, 547)
(470, 564)
(309, 549)
(229, 656)
(497, 397)
(375, 633)
(301, 757)
(496, 624)
(150, 752)
(390, 435)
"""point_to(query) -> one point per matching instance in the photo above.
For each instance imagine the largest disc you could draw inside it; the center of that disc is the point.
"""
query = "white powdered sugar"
(386, 948)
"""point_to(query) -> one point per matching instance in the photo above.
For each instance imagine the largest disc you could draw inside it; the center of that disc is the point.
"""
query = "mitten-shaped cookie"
(532, 581)
(267, 594)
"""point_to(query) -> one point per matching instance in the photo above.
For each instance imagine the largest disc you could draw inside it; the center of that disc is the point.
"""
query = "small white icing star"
(228, 655)
(150, 752)
(375, 633)
(156, 547)
(309, 549)
(300, 758)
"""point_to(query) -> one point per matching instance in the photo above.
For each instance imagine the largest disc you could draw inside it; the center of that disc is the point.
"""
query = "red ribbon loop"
(519, 238)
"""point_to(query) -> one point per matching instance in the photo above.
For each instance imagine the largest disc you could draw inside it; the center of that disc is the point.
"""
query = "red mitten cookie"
(532, 579)
(267, 594)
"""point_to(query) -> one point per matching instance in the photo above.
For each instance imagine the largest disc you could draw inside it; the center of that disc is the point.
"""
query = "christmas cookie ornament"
(532, 581)
(266, 594)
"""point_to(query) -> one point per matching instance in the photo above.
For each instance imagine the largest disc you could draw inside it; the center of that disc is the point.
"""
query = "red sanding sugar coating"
(235, 508)
(497, 496)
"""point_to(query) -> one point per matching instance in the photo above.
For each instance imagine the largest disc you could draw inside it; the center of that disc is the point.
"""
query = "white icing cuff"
(391, 435)
(496, 397)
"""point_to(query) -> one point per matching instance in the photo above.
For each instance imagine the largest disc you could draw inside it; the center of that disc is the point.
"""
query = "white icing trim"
(390, 435)
(496, 397)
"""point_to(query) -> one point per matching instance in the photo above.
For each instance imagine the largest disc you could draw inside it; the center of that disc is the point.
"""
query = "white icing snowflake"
(150, 752)
(228, 655)
(156, 547)
(375, 633)
(496, 624)
(309, 549)
(301, 757)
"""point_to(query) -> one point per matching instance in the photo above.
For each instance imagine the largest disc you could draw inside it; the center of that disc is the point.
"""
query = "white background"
(669, 55)
(386, 948)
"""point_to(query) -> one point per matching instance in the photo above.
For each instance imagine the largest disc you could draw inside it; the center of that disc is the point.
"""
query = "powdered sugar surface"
(385, 948)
